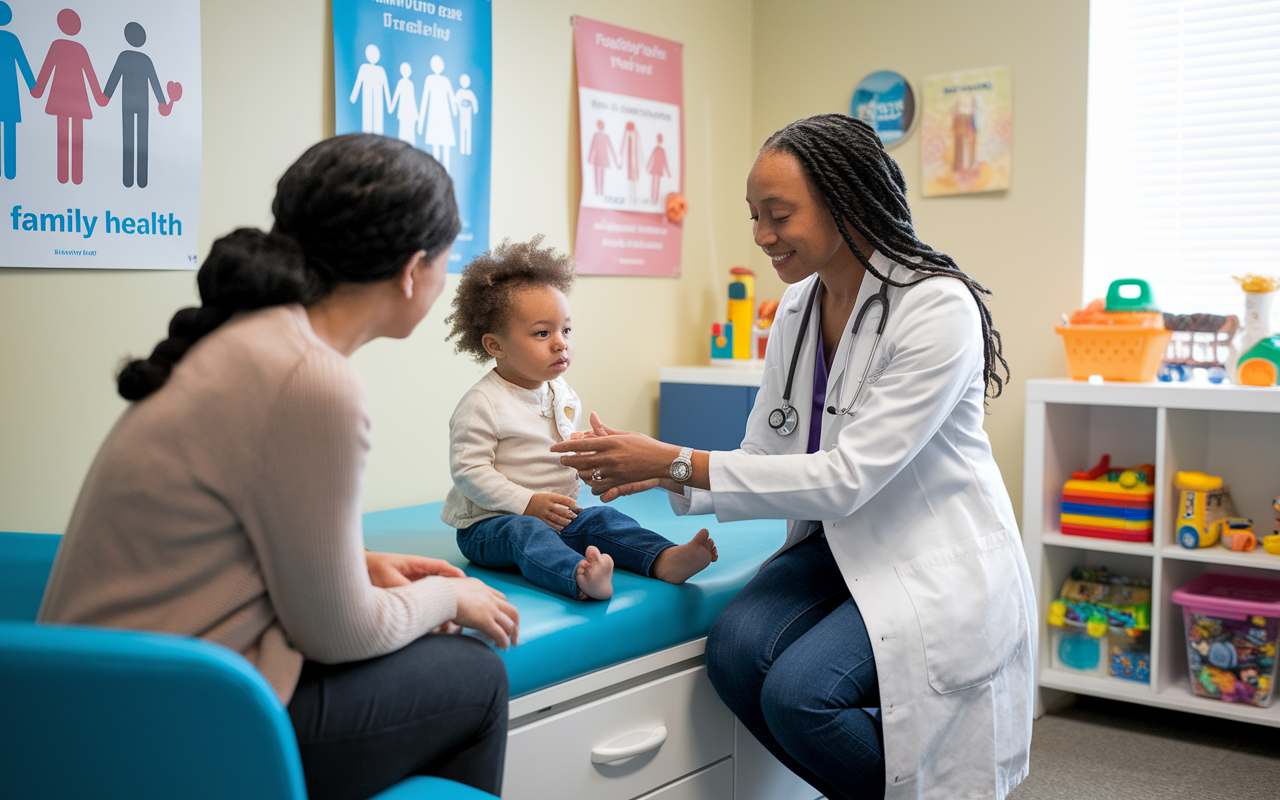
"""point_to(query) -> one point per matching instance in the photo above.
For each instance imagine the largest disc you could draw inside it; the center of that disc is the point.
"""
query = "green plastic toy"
(1260, 364)
(1144, 301)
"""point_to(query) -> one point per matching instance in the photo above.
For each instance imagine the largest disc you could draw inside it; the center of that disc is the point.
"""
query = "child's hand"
(556, 510)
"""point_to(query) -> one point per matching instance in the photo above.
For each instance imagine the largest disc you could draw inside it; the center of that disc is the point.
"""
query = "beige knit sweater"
(227, 506)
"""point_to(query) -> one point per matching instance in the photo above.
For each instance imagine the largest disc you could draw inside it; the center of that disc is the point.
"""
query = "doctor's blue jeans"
(790, 656)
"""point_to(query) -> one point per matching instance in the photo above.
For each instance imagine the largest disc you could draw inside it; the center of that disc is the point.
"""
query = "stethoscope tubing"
(785, 416)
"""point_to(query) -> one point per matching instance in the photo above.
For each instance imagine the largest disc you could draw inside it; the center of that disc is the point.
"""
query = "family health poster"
(100, 122)
(630, 106)
(967, 133)
(422, 72)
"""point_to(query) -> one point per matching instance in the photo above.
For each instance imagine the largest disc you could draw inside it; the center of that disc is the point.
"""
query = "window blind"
(1182, 176)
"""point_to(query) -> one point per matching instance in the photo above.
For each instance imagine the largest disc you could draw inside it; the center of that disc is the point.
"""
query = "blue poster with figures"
(422, 72)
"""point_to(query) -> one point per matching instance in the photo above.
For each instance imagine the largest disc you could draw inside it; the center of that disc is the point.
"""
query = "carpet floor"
(1109, 750)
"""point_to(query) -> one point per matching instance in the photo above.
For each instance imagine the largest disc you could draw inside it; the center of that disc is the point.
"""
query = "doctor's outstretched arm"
(935, 360)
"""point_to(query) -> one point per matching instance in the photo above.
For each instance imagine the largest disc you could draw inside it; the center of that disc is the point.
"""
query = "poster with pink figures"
(100, 134)
(630, 110)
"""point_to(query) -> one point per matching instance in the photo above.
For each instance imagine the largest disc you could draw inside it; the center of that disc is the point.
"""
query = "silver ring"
(596, 476)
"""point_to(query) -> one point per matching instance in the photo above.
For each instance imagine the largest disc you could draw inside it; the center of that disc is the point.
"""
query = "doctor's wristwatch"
(682, 467)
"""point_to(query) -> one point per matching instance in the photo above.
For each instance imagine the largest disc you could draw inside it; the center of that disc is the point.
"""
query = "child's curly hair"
(483, 300)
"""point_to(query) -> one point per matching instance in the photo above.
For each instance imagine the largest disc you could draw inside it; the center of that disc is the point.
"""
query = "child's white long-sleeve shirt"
(500, 438)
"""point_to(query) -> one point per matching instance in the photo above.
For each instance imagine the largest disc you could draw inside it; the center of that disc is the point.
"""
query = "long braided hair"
(864, 187)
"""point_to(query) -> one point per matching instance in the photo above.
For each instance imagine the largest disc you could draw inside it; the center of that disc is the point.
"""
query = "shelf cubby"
(1222, 430)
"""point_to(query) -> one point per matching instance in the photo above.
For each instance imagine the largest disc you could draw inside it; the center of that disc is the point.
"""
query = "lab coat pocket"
(970, 607)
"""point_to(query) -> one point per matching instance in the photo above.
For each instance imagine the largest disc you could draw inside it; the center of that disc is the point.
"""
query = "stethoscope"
(784, 420)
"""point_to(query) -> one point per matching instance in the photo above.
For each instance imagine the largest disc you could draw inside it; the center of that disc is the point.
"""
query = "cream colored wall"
(1026, 243)
(62, 331)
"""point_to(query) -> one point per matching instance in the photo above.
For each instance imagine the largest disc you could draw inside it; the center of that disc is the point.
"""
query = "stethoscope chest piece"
(784, 420)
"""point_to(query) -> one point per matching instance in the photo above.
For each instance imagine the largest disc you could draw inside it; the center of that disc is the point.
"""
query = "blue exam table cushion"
(560, 638)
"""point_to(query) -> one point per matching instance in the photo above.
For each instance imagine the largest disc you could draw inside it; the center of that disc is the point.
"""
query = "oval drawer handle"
(608, 755)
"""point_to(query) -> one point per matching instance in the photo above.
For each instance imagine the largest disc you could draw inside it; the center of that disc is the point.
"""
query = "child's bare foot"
(595, 575)
(680, 563)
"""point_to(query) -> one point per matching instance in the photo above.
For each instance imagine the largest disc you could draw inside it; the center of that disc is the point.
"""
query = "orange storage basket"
(1116, 352)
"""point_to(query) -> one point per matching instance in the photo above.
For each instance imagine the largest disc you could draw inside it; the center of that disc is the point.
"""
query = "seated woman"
(225, 502)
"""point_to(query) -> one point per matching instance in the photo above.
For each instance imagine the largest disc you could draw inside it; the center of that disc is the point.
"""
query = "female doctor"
(887, 649)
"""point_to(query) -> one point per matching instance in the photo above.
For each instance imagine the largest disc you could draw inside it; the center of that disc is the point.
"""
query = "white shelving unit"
(1222, 430)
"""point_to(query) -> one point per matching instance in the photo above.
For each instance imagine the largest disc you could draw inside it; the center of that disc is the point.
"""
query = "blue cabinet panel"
(703, 416)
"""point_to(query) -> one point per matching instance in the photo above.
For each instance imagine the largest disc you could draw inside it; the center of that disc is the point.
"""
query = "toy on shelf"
(1272, 543)
(1121, 339)
(1101, 624)
(1204, 507)
(1260, 364)
(1107, 503)
(1198, 341)
(1232, 625)
(764, 324)
(1259, 294)
(722, 340)
(742, 303)
(1235, 533)
(731, 343)
(744, 337)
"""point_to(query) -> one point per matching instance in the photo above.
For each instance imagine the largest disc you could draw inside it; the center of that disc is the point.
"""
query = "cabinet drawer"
(552, 757)
(713, 783)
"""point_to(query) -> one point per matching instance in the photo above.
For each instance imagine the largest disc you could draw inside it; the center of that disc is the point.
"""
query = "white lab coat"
(919, 522)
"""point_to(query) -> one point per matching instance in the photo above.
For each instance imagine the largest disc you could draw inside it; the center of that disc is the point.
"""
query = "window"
(1182, 178)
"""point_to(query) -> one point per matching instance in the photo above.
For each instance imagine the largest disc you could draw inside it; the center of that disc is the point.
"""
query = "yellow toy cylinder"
(742, 301)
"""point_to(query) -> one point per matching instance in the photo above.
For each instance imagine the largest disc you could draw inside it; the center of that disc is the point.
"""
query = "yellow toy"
(1235, 533)
(1202, 501)
(742, 297)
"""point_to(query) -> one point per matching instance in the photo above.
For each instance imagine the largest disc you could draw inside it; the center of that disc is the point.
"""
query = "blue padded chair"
(89, 712)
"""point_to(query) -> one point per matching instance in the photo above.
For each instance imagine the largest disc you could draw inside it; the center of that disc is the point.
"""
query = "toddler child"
(513, 503)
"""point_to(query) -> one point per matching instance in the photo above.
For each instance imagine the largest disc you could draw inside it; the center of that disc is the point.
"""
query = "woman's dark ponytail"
(245, 270)
(353, 208)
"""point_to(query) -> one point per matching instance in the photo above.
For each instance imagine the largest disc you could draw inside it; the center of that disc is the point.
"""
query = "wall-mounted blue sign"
(884, 101)
(422, 71)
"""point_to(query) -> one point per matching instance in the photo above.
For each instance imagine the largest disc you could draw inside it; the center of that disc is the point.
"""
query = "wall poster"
(422, 72)
(100, 134)
(630, 112)
(967, 131)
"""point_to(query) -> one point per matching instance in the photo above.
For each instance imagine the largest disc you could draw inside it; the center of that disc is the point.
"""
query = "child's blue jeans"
(549, 558)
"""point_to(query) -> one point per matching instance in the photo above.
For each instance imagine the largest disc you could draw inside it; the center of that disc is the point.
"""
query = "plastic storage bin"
(1116, 352)
(1130, 653)
(1123, 340)
(1072, 649)
(1232, 625)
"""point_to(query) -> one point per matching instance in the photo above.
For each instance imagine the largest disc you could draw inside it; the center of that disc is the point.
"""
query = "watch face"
(680, 471)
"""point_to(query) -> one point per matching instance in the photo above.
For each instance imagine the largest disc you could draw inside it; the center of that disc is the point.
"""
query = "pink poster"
(630, 104)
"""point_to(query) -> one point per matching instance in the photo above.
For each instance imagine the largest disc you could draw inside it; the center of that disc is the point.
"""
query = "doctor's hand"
(387, 570)
(485, 609)
(612, 459)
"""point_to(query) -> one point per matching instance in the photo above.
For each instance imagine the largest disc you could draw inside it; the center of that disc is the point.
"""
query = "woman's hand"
(486, 609)
(611, 459)
(557, 510)
(387, 570)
